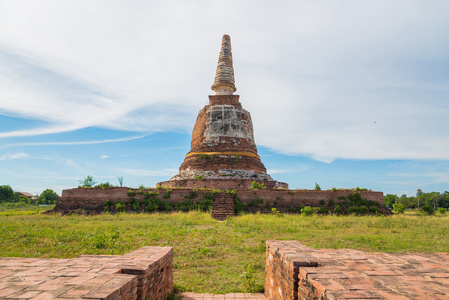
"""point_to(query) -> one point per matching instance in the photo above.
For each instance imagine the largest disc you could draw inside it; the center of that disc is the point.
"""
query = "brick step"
(222, 206)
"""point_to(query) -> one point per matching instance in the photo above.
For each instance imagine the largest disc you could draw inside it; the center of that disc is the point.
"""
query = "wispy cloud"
(19, 155)
(74, 142)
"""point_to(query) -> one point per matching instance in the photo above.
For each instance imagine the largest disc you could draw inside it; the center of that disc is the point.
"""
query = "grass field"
(212, 256)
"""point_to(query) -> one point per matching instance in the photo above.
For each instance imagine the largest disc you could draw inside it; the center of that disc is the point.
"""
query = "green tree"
(48, 197)
(317, 187)
(25, 199)
(7, 194)
(390, 199)
(87, 182)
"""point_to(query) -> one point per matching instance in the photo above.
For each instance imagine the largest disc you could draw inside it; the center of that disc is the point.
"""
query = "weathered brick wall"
(294, 271)
(92, 200)
(221, 184)
(156, 280)
(284, 199)
(282, 277)
(145, 273)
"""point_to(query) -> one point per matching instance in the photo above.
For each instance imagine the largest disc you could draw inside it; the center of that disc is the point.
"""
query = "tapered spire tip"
(224, 83)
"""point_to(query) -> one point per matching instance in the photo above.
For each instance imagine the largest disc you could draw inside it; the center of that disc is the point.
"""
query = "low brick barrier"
(294, 271)
(91, 200)
(146, 273)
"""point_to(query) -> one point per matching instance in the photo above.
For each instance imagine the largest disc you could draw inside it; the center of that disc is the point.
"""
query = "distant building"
(28, 195)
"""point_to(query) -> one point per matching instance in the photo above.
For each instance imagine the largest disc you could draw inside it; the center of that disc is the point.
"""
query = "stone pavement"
(237, 296)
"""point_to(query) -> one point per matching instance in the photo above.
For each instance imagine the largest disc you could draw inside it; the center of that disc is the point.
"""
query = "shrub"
(374, 210)
(322, 210)
(291, 209)
(331, 202)
(120, 206)
(307, 211)
(353, 210)
(103, 185)
(363, 209)
(239, 206)
(441, 210)
(205, 205)
(322, 202)
(317, 187)
(135, 204)
(107, 205)
(337, 210)
(398, 208)
(427, 209)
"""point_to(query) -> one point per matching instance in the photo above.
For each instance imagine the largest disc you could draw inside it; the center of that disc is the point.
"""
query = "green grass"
(212, 256)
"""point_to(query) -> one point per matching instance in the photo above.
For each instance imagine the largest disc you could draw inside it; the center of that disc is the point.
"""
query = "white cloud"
(342, 79)
(19, 155)
(104, 156)
(74, 143)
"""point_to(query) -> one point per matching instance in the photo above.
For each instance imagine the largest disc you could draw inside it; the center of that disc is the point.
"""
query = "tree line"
(7, 195)
(433, 199)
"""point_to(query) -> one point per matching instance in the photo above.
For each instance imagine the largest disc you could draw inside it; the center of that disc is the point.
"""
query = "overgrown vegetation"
(212, 256)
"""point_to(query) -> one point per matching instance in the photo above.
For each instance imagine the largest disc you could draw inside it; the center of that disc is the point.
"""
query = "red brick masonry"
(294, 271)
(92, 200)
(144, 273)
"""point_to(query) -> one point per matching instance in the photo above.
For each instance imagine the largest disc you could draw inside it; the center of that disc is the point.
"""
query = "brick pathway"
(238, 296)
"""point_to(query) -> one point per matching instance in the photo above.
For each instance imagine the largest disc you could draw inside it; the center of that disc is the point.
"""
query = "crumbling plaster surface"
(221, 174)
(228, 121)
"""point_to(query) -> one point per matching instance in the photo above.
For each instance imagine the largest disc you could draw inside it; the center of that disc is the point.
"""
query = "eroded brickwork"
(294, 271)
(146, 273)
(92, 200)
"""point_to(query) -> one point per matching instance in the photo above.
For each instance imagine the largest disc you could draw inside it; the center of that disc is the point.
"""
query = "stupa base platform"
(221, 184)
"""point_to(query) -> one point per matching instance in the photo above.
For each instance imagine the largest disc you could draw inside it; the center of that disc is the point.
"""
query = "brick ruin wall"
(146, 273)
(221, 184)
(294, 271)
(92, 200)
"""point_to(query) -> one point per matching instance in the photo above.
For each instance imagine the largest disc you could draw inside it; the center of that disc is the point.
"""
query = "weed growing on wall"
(167, 194)
(255, 186)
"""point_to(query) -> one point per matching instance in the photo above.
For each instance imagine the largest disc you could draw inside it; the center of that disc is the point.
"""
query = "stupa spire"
(224, 79)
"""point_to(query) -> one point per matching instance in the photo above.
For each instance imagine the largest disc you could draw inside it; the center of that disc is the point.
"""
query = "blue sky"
(342, 93)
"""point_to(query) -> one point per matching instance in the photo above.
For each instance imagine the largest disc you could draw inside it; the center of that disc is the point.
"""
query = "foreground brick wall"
(92, 200)
(145, 273)
(294, 271)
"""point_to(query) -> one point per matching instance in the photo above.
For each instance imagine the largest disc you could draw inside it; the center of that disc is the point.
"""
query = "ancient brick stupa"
(223, 153)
